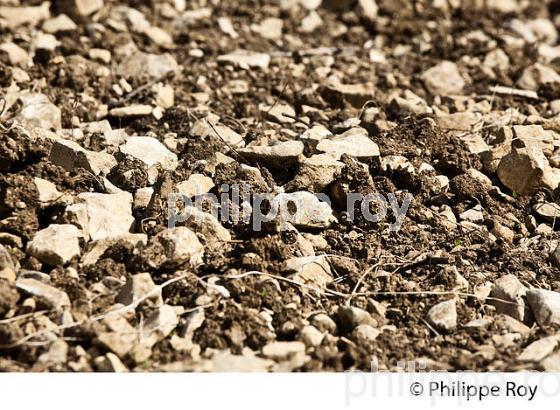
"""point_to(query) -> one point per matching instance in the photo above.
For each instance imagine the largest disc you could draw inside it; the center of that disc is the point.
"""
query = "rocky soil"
(109, 106)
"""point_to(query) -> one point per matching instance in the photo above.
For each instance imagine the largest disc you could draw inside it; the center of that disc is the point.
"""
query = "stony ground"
(109, 106)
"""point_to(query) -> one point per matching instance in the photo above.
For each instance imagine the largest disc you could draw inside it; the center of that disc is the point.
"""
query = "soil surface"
(238, 307)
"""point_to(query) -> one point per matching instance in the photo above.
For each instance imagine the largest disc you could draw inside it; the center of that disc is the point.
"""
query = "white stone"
(281, 155)
(197, 184)
(49, 195)
(38, 111)
(181, 244)
(206, 224)
(276, 113)
(17, 56)
(526, 170)
(227, 27)
(59, 23)
(270, 28)
(539, 349)
(353, 143)
(311, 336)
(311, 22)
(246, 59)
(70, 155)
(510, 293)
(443, 316)
(136, 110)
(17, 16)
(152, 66)
(99, 54)
(55, 245)
(140, 287)
(444, 79)
(313, 271)
(303, 210)
(47, 295)
(545, 305)
(159, 36)
(536, 75)
(87, 7)
(150, 151)
(108, 215)
(283, 350)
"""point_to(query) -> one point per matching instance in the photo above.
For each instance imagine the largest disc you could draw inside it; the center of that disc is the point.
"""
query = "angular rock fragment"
(349, 317)
(150, 151)
(509, 294)
(181, 244)
(443, 316)
(280, 155)
(55, 245)
(38, 111)
(354, 142)
(303, 210)
(152, 66)
(444, 79)
(315, 173)
(136, 110)
(526, 170)
(46, 295)
(313, 271)
(246, 59)
(140, 287)
(545, 305)
(536, 75)
(104, 216)
(70, 155)
(197, 184)
(205, 224)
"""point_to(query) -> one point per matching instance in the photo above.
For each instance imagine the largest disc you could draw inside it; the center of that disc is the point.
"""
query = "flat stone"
(280, 155)
(46, 295)
(59, 23)
(443, 316)
(313, 271)
(17, 16)
(354, 142)
(70, 155)
(101, 55)
(549, 211)
(152, 66)
(138, 287)
(276, 113)
(150, 151)
(136, 110)
(97, 248)
(355, 94)
(246, 59)
(545, 305)
(551, 363)
(283, 350)
(159, 36)
(38, 111)
(55, 245)
(108, 215)
(203, 129)
(197, 184)
(511, 293)
(444, 79)
(540, 349)
(17, 56)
